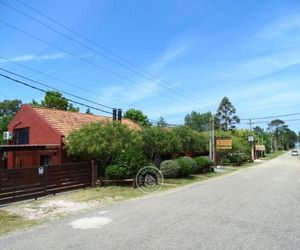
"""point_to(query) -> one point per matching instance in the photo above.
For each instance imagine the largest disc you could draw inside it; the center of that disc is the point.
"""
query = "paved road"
(255, 208)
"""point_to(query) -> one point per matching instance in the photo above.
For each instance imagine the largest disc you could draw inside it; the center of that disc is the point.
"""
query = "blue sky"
(248, 51)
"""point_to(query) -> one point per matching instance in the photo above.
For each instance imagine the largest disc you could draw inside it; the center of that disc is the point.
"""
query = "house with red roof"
(39, 135)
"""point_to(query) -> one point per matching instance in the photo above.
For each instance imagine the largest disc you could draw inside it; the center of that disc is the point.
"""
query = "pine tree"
(226, 115)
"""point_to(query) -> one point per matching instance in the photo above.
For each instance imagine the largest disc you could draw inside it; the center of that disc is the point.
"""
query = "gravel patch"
(50, 209)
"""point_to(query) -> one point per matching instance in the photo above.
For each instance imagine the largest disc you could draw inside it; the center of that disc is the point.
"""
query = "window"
(45, 160)
(21, 136)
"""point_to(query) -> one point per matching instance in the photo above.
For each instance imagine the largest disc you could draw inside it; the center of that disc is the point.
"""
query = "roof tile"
(66, 121)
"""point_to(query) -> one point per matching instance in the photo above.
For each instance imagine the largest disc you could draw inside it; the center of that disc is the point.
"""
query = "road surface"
(255, 208)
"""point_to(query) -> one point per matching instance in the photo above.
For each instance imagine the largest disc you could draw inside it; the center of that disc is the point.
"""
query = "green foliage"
(236, 159)
(8, 108)
(102, 141)
(240, 145)
(226, 115)
(197, 121)
(137, 116)
(280, 148)
(161, 122)
(115, 172)
(225, 161)
(191, 140)
(283, 137)
(158, 141)
(132, 158)
(191, 162)
(169, 168)
(203, 162)
(55, 100)
(239, 139)
(185, 168)
(88, 111)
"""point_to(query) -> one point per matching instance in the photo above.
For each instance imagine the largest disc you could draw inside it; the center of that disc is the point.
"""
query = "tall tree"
(161, 122)
(197, 121)
(137, 116)
(289, 138)
(157, 142)
(8, 109)
(276, 127)
(88, 111)
(226, 115)
(55, 100)
(191, 140)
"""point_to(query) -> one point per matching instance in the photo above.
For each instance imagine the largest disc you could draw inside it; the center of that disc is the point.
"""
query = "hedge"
(203, 163)
(185, 166)
(115, 172)
(169, 168)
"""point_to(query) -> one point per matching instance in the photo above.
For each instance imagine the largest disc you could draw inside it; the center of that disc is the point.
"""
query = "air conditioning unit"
(7, 135)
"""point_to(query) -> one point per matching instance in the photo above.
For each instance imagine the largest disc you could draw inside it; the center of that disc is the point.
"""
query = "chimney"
(119, 115)
(114, 114)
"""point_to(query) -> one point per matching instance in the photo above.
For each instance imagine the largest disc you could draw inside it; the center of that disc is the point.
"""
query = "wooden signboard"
(224, 143)
(260, 147)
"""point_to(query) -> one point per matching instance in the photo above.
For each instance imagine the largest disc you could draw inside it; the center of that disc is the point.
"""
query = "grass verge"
(11, 222)
(273, 155)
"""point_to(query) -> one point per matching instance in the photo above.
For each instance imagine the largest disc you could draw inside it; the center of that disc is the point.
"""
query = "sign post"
(41, 170)
(251, 141)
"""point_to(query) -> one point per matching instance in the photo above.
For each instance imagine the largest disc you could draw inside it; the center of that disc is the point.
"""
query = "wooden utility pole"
(253, 142)
(212, 152)
(213, 140)
(210, 139)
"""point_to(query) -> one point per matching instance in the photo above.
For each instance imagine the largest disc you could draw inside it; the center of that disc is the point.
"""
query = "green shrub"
(169, 168)
(246, 158)
(102, 141)
(115, 172)
(280, 148)
(185, 168)
(132, 159)
(203, 163)
(192, 163)
(225, 161)
(236, 159)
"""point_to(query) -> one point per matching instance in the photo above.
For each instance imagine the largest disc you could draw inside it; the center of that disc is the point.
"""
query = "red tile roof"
(66, 121)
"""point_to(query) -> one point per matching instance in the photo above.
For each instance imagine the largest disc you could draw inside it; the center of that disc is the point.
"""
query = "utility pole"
(210, 139)
(252, 142)
(213, 140)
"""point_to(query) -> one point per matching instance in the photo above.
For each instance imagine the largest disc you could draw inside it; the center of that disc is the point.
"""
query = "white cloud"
(147, 89)
(39, 58)
(170, 55)
(271, 63)
(281, 27)
(274, 102)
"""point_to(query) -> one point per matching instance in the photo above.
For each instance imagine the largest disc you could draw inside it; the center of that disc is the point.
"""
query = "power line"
(270, 117)
(169, 125)
(48, 86)
(138, 70)
(83, 59)
(88, 61)
(263, 122)
(45, 91)
(75, 85)
(56, 89)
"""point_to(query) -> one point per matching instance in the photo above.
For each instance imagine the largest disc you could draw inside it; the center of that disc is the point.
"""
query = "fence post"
(93, 173)
(46, 179)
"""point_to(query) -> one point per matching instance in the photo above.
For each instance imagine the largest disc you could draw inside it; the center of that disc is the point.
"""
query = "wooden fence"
(28, 183)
